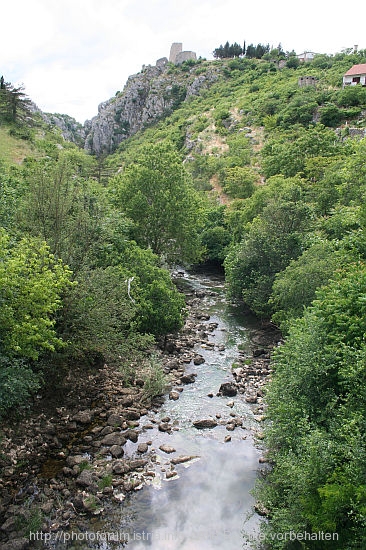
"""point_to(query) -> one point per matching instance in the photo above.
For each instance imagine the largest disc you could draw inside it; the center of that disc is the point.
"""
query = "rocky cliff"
(147, 96)
(71, 130)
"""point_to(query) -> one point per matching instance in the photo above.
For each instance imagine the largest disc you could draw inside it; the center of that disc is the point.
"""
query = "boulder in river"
(167, 449)
(198, 359)
(142, 448)
(228, 389)
(174, 395)
(164, 427)
(115, 438)
(188, 378)
(205, 423)
(182, 459)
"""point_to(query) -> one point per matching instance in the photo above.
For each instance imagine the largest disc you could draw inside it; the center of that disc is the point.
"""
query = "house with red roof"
(355, 75)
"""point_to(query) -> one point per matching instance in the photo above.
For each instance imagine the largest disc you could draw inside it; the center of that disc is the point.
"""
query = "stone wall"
(162, 62)
(306, 81)
(176, 48)
(177, 56)
(185, 56)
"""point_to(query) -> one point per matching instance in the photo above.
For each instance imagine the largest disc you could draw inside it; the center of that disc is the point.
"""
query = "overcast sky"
(73, 54)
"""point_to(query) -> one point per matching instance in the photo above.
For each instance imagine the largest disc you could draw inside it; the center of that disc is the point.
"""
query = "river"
(206, 503)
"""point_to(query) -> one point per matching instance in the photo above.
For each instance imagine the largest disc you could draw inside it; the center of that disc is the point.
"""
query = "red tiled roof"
(356, 69)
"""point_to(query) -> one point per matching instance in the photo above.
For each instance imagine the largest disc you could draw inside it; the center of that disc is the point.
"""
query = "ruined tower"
(175, 49)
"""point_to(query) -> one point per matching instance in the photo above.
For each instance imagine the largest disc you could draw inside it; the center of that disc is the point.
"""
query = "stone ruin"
(304, 81)
(177, 56)
(175, 49)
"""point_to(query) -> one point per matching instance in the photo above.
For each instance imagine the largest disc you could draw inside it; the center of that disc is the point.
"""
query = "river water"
(207, 504)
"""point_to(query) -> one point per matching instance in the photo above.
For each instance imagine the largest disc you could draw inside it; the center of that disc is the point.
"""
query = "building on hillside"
(306, 81)
(177, 56)
(305, 56)
(355, 75)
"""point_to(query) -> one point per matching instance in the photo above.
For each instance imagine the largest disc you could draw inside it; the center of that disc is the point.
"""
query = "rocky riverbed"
(64, 463)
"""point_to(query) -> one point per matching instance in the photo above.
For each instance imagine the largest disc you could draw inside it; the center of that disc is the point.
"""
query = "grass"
(105, 481)
(84, 466)
(12, 149)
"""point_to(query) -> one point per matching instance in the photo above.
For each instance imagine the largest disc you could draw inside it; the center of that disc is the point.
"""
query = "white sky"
(73, 54)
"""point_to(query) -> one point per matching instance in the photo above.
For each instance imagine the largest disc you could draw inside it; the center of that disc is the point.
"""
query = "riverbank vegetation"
(256, 173)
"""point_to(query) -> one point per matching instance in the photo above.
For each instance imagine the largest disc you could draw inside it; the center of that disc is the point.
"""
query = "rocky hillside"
(71, 130)
(147, 97)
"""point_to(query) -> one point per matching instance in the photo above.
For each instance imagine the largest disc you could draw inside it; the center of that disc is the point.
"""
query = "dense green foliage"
(317, 406)
(15, 106)
(256, 173)
(154, 191)
(74, 285)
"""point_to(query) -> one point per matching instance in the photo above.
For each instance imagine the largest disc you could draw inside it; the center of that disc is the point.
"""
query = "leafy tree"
(15, 106)
(293, 62)
(239, 182)
(11, 190)
(156, 193)
(272, 240)
(65, 208)
(215, 235)
(159, 306)
(317, 409)
(31, 284)
(98, 320)
(295, 287)
(330, 115)
(287, 153)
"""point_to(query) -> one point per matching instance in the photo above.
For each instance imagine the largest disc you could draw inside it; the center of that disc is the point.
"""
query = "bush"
(17, 383)
(330, 115)
(316, 405)
(155, 380)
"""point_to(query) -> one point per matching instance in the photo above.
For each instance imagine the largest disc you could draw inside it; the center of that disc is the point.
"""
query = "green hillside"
(257, 173)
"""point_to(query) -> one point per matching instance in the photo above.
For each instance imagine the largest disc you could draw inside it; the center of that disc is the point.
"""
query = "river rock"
(181, 459)
(164, 427)
(173, 364)
(115, 420)
(75, 460)
(142, 448)
(167, 449)
(174, 395)
(131, 414)
(188, 378)
(170, 474)
(115, 438)
(138, 463)
(120, 467)
(126, 401)
(198, 359)
(228, 389)
(83, 417)
(116, 451)
(86, 479)
(16, 544)
(9, 525)
(203, 316)
(107, 430)
(92, 504)
(252, 398)
(132, 435)
(205, 423)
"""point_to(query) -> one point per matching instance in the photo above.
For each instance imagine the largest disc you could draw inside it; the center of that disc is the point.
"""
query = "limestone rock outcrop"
(147, 97)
